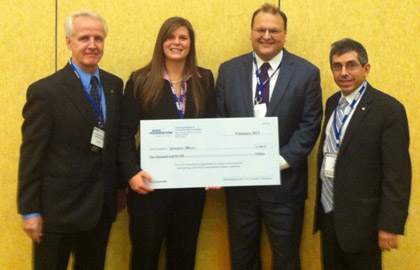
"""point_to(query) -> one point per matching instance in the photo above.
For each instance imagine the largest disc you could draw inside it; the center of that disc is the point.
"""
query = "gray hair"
(68, 23)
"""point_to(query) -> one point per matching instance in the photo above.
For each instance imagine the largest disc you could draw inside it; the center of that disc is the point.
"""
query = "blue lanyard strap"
(97, 111)
(337, 131)
(178, 102)
(261, 85)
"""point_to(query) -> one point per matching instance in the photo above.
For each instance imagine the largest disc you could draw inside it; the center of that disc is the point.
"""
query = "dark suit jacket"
(59, 176)
(372, 177)
(296, 101)
(165, 108)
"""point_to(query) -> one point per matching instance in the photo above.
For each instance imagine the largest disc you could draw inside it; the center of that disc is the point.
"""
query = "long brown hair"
(148, 81)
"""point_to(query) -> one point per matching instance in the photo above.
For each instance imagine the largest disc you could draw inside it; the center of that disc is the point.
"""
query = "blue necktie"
(94, 92)
(331, 147)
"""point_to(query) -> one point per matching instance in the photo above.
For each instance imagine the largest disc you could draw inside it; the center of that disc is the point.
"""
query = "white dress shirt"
(273, 74)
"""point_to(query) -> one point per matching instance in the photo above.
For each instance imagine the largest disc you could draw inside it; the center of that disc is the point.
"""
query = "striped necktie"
(331, 147)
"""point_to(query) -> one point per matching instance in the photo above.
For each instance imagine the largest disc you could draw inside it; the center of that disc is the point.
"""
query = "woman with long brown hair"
(171, 86)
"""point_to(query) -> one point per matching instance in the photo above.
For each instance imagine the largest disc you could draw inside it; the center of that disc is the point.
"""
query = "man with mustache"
(364, 167)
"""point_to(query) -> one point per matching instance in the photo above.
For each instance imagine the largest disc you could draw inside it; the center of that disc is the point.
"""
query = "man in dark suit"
(270, 81)
(364, 167)
(67, 190)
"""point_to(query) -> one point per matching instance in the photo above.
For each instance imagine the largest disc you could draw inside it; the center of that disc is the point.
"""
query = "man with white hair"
(67, 187)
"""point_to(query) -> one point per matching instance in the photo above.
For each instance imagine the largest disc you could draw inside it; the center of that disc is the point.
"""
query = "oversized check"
(210, 152)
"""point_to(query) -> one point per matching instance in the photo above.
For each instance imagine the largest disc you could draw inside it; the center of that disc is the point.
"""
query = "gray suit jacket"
(296, 101)
(59, 176)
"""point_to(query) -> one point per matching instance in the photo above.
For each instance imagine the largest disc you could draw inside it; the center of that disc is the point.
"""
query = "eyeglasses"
(272, 32)
(351, 66)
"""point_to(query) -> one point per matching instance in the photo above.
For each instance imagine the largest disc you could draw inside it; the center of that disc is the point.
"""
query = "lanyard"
(337, 131)
(97, 111)
(178, 102)
(258, 99)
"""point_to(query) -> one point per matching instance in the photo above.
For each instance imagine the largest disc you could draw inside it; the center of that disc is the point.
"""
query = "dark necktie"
(94, 92)
(265, 95)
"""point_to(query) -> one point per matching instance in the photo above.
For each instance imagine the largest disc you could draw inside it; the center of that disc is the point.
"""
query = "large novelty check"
(210, 152)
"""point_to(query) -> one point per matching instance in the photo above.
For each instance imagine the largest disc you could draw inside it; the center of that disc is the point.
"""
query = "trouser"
(172, 215)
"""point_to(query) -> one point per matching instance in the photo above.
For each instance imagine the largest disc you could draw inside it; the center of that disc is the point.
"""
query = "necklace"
(176, 81)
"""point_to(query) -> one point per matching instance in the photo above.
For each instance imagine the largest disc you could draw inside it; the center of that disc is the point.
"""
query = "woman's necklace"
(176, 81)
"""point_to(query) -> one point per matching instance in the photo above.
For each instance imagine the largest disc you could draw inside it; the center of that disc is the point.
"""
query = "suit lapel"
(75, 92)
(168, 100)
(361, 111)
(190, 109)
(109, 98)
(329, 109)
(330, 106)
(283, 79)
(246, 84)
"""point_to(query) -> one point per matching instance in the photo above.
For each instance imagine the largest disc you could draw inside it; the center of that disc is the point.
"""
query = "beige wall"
(387, 28)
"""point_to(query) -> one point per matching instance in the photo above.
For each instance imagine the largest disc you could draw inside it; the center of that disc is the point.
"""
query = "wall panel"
(27, 54)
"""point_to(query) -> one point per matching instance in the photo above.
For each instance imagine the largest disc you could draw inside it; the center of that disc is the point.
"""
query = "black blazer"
(165, 108)
(372, 177)
(59, 176)
(296, 101)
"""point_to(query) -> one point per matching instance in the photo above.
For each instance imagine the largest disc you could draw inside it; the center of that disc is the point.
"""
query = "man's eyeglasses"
(351, 66)
(272, 32)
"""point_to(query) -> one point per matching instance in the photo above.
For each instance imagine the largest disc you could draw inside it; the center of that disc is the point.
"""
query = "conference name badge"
(260, 110)
(330, 160)
(97, 140)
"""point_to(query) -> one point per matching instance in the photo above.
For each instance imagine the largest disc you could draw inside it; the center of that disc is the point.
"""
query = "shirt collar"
(274, 62)
(350, 97)
(166, 76)
(85, 76)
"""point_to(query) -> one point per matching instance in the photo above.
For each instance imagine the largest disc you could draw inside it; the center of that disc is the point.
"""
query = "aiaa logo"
(160, 132)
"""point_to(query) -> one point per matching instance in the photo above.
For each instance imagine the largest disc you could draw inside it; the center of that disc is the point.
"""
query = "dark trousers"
(283, 222)
(335, 258)
(88, 248)
(173, 215)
